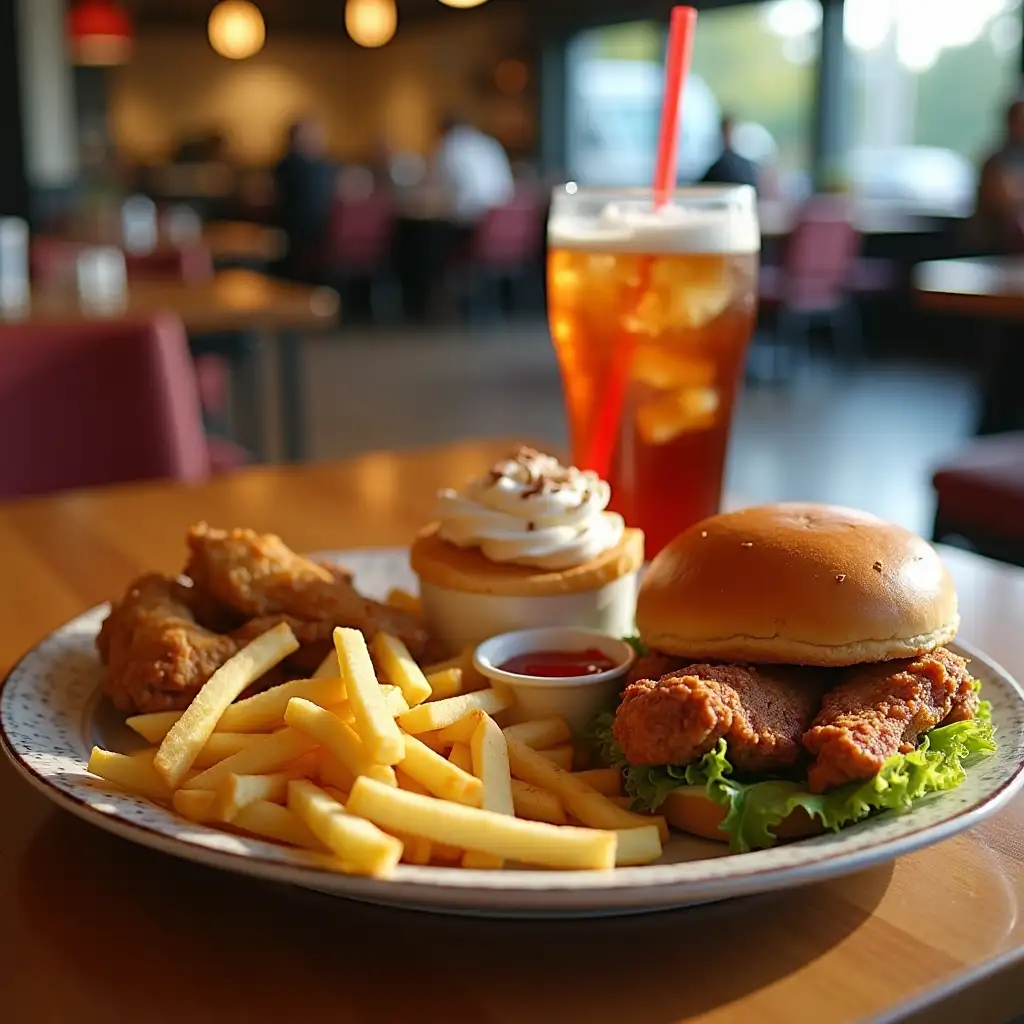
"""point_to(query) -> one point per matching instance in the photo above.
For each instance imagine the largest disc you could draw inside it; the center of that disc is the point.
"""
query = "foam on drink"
(634, 226)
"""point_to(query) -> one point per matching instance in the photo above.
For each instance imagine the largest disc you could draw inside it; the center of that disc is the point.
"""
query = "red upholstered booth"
(99, 403)
(981, 496)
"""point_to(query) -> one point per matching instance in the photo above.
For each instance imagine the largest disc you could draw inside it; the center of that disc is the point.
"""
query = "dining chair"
(811, 283)
(101, 402)
(504, 247)
(359, 247)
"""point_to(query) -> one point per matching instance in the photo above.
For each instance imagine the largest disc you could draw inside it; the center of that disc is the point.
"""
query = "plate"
(51, 714)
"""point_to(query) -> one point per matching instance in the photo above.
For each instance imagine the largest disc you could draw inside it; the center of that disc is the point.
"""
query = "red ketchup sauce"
(553, 664)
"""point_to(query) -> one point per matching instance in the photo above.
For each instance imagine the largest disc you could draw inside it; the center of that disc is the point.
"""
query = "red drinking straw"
(677, 67)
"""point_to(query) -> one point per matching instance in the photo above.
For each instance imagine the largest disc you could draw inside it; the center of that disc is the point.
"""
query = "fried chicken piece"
(760, 712)
(259, 576)
(157, 655)
(654, 665)
(880, 710)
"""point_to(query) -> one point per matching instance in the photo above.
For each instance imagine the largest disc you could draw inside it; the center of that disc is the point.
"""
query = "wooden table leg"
(291, 383)
(1002, 404)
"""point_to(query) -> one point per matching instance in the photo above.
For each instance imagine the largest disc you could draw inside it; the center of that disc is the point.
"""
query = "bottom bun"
(690, 809)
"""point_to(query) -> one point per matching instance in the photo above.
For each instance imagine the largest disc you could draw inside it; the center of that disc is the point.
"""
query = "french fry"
(267, 754)
(197, 805)
(470, 680)
(221, 745)
(540, 733)
(462, 731)
(490, 765)
(337, 737)
(333, 772)
(154, 726)
(374, 724)
(416, 850)
(607, 781)
(561, 755)
(336, 794)
(579, 799)
(272, 821)
(187, 737)
(461, 757)
(408, 783)
(265, 711)
(445, 853)
(135, 774)
(637, 845)
(537, 804)
(441, 777)
(238, 791)
(404, 601)
(328, 668)
(393, 701)
(431, 740)
(444, 684)
(475, 829)
(394, 658)
(441, 713)
(360, 846)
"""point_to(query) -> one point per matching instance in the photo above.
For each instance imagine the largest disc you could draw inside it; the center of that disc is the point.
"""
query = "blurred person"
(305, 181)
(474, 169)
(995, 225)
(730, 168)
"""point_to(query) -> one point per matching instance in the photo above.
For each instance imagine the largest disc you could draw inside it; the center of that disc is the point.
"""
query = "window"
(929, 82)
(754, 61)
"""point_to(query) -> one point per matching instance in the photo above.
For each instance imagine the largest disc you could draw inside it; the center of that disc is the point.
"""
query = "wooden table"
(95, 928)
(231, 301)
(991, 287)
(244, 243)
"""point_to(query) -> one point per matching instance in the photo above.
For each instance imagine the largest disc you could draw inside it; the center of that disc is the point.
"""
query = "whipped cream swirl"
(531, 510)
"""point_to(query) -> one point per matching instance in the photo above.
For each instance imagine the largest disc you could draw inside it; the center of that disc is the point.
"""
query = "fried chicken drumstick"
(882, 709)
(760, 712)
(157, 655)
(260, 577)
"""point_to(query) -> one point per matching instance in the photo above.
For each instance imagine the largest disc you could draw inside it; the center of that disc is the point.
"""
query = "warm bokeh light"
(236, 29)
(463, 3)
(371, 23)
(511, 77)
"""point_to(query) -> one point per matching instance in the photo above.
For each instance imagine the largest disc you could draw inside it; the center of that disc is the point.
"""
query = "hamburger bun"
(690, 809)
(797, 584)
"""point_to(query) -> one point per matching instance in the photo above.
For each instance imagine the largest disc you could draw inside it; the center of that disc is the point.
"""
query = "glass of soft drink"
(665, 299)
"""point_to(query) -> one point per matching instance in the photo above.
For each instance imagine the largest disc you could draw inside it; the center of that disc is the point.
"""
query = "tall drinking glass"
(664, 300)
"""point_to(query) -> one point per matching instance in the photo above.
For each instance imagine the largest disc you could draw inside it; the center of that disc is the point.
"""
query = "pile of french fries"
(362, 774)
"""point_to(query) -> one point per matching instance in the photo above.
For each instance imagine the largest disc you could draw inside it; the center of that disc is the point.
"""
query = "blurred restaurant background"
(305, 229)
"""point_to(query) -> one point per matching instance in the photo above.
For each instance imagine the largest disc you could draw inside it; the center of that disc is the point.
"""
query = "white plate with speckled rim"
(51, 714)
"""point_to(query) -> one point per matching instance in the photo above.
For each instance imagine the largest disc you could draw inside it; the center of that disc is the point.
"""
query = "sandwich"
(793, 676)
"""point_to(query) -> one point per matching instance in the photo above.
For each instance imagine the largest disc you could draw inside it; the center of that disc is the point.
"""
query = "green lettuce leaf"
(637, 644)
(753, 809)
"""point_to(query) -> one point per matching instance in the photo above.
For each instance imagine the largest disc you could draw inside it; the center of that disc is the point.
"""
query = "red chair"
(359, 246)
(811, 284)
(981, 497)
(100, 403)
(504, 246)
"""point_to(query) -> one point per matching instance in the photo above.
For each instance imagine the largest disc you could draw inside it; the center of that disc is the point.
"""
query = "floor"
(867, 438)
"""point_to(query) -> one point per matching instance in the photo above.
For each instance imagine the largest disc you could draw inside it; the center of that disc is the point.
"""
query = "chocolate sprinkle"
(840, 577)
(877, 567)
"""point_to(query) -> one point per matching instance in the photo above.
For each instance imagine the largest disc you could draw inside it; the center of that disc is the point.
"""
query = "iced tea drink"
(675, 291)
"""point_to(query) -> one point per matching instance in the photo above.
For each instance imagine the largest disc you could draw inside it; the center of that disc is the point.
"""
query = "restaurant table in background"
(992, 288)
(93, 924)
(242, 243)
(232, 300)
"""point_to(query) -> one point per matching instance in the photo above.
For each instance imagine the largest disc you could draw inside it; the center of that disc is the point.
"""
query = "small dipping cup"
(576, 698)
